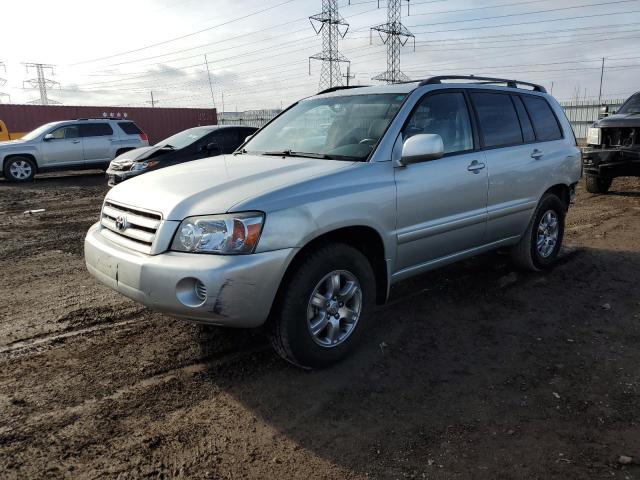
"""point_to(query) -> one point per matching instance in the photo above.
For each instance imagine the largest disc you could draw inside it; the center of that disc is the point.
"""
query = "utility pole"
(42, 83)
(601, 76)
(333, 27)
(552, 88)
(213, 100)
(223, 103)
(395, 35)
(153, 103)
(348, 76)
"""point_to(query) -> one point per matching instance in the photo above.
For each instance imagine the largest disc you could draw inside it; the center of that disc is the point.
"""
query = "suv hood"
(620, 120)
(214, 185)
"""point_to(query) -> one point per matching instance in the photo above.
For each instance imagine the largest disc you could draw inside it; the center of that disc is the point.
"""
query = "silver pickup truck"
(69, 145)
(308, 224)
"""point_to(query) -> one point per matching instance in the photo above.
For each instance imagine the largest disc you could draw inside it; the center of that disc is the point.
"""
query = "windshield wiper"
(321, 156)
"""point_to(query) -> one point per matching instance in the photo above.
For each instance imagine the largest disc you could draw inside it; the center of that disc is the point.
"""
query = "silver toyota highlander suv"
(311, 221)
(69, 145)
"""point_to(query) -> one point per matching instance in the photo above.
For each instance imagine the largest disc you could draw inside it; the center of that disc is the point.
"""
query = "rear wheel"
(322, 309)
(539, 246)
(597, 184)
(19, 169)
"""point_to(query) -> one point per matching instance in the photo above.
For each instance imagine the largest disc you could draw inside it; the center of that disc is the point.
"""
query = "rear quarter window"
(129, 128)
(544, 120)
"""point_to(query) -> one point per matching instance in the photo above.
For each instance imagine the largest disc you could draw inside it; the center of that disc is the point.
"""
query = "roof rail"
(344, 87)
(509, 83)
(123, 119)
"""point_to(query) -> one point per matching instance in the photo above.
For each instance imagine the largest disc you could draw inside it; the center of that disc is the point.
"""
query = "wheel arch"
(30, 156)
(364, 238)
(560, 190)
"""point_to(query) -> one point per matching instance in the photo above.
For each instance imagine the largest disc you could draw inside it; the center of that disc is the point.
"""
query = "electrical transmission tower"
(333, 27)
(3, 82)
(395, 35)
(41, 82)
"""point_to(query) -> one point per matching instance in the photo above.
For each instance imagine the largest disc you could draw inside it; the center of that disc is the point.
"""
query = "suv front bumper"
(240, 289)
(611, 162)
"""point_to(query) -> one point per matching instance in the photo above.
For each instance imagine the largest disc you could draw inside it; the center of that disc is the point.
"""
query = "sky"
(119, 52)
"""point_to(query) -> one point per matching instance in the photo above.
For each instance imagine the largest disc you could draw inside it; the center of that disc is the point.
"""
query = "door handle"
(536, 154)
(475, 166)
(76, 141)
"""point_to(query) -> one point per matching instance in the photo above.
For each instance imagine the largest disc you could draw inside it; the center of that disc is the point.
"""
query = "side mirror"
(47, 137)
(421, 148)
(248, 138)
(212, 147)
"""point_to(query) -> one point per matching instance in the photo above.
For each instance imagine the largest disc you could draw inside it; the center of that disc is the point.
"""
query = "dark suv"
(613, 147)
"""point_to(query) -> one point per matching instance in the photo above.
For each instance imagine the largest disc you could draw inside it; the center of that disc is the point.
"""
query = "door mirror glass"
(48, 136)
(604, 111)
(421, 148)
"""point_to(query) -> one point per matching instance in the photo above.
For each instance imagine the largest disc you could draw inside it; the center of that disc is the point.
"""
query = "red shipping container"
(158, 122)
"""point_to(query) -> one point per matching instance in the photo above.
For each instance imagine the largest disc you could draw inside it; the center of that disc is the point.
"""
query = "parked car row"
(118, 146)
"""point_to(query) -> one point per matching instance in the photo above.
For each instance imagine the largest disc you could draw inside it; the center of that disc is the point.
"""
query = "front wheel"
(322, 309)
(19, 169)
(539, 246)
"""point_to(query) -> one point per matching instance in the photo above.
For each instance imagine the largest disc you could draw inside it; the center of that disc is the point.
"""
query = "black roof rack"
(123, 119)
(509, 83)
(344, 87)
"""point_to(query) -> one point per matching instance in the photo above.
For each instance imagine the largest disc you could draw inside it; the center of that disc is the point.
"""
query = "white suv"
(69, 145)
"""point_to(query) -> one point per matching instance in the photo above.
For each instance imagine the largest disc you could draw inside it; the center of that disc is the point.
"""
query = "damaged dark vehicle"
(613, 147)
(191, 144)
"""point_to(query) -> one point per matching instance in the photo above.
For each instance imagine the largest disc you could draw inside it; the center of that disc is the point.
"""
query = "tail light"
(144, 137)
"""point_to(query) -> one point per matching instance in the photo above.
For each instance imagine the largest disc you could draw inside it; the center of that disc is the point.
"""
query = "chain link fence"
(250, 118)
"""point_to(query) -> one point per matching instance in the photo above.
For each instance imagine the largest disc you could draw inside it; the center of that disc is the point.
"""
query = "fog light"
(201, 290)
(191, 292)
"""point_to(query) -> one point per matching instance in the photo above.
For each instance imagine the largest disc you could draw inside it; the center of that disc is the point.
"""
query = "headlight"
(231, 234)
(138, 166)
(594, 136)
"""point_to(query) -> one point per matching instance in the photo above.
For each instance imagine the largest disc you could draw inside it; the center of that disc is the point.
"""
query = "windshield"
(38, 131)
(183, 139)
(632, 105)
(345, 127)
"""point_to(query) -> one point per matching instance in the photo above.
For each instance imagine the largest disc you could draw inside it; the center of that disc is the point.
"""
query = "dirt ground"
(472, 371)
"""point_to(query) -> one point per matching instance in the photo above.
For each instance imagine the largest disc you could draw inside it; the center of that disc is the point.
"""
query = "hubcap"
(334, 308)
(547, 233)
(20, 170)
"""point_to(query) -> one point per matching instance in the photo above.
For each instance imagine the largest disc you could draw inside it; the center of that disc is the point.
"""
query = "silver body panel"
(427, 214)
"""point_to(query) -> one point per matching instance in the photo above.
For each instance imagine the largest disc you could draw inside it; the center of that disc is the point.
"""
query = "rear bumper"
(239, 289)
(611, 163)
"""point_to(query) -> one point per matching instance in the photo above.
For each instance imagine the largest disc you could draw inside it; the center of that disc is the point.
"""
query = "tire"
(596, 184)
(19, 169)
(294, 315)
(528, 254)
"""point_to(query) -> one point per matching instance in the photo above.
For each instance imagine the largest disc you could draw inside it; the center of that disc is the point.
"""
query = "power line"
(164, 42)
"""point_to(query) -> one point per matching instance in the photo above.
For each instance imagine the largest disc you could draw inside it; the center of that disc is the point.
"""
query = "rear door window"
(95, 129)
(544, 121)
(499, 124)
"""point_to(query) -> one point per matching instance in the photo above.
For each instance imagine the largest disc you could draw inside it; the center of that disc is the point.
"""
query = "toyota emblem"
(121, 223)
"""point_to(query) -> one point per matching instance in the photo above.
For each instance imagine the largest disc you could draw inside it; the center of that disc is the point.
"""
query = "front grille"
(130, 227)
